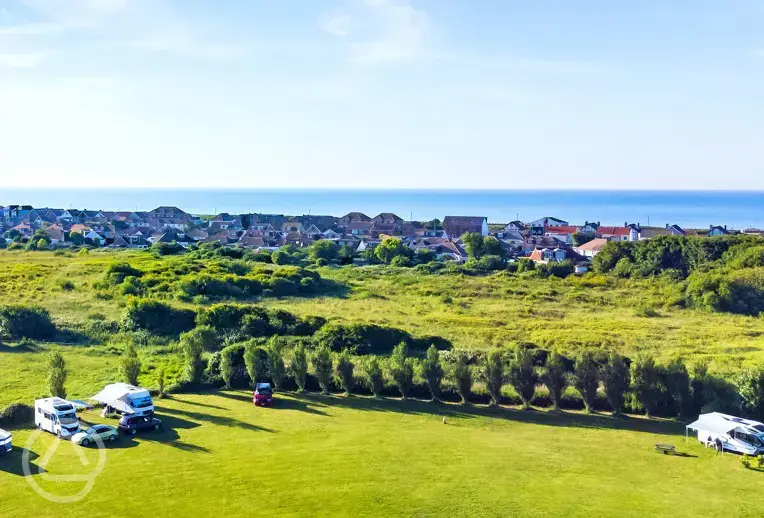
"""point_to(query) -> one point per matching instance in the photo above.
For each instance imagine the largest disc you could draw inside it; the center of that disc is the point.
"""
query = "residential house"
(25, 229)
(590, 227)
(379, 229)
(94, 237)
(323, 223)
(387, 218)
(717, 231)
(197, 234)
(675, 230)
(562, 232)
(292, 225)
(353, 217)
(331, 234)
(591, 248)
(549, 222)
(532, 243)
(517, 226)
(456, 226)
(546, 255)
(651, 232)
(359, 228)
(119, 242)
(513, 238)
(171, 217)
(251, 239)
(312, 232)
(614, 233)
(55, 233)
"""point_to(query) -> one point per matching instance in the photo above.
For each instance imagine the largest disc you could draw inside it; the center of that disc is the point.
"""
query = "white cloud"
(21, 60)
(379, 30)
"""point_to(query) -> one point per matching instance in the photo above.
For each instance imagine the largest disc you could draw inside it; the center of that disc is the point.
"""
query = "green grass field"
(336, 456)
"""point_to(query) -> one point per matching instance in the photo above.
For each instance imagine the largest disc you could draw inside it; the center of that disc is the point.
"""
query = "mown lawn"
(336, 456)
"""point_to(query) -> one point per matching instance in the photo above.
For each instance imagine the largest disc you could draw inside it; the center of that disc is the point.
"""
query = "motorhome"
(729, 433)
(57, 416)
(6, 442)
(124, 398)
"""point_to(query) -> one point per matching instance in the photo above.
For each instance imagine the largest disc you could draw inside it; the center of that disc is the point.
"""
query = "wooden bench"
(665, 448)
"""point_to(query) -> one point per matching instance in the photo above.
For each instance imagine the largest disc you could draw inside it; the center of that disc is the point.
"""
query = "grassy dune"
(357, 457)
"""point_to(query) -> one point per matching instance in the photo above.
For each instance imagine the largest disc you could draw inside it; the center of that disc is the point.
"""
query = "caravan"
(6, 442)
(57, 416)
(729, 433)
(126, 399)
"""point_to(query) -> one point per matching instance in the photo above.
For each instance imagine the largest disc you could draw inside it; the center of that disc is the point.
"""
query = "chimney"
(710, 227)
(667, 225)
(725, 227)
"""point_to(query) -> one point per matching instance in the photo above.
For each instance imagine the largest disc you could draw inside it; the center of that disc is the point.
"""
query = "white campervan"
(729, 433)
(6, 442)
(57, 416)
(126, 399)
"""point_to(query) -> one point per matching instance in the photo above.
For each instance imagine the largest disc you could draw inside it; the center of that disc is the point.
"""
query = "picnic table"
(665, 448)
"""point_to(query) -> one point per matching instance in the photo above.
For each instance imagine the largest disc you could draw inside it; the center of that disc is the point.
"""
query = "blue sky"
(382, 93)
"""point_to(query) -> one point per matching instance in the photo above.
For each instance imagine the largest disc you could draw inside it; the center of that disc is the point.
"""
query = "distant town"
(548, 239)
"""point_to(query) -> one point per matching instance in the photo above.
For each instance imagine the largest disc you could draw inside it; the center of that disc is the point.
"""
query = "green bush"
(17, 322)
(157, 317)
(17, 414)
(365, 339)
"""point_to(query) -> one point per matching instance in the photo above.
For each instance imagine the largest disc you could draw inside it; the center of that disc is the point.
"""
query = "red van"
(263, 395)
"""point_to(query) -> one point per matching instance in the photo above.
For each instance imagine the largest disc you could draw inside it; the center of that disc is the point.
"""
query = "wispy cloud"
(379, 30)
(21, 60)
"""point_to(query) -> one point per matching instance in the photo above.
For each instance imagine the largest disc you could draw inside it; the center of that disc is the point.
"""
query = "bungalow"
(512, 238)
(517, 226)
(353, 217)
(25, 229)
(197, 234)
(292, 225)
(323, 223)
(379, 229)
(359, 228)
(532, 243)
(675, 230)
(120, 242)
(312, 232)
(456, 226)
(251, 239)
(545, 255)
(55, 233)
(591, 248)
(95, 238)
(331, 234)
(717, 231)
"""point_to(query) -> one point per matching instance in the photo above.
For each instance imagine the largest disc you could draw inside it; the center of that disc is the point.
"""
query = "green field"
(336, 456)
(332, 455)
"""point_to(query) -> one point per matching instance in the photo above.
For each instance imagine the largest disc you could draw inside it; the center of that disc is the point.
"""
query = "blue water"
(692, 209)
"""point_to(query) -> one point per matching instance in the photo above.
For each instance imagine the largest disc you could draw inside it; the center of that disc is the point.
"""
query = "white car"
(6, 442)
(102, 432)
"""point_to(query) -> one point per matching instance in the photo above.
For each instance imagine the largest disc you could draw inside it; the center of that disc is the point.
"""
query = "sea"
(690, 209)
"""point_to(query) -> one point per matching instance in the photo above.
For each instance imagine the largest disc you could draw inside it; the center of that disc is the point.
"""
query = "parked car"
(104, 432)
(6, 442)
(263, 395)
(132, 424)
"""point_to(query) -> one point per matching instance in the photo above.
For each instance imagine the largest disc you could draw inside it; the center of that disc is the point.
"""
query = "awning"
(714, 425)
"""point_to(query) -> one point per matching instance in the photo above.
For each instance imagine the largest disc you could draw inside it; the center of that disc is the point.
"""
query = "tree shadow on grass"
(28, 347)
(167, 434)
(12, 463)
(174, 413)
(194, 403)
(300, 405)
(538, 417)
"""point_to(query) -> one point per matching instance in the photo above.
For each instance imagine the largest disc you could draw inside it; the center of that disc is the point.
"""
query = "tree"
(473, 244)
(644, 379)
(402, 369)
(492, 246)
(431, 370)
(277, 367)
(586, 377)
(57, 375)
(298, 365)
(323, 249)
(555, 377)
(161, 379)
(750, 385)
(374, 376)
(344, 370)
(256, 362)
(388, 249)
(280, 257)
(130, 365)
(463, 377)
(522, 376)
(493, 375)
(616, 378)
(581, 238)
(424, 255)
(226, 366)
(322, 364)
(193, 344)
(677, 381)
(345, 255)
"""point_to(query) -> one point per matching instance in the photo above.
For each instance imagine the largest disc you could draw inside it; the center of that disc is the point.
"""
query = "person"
(719, 446)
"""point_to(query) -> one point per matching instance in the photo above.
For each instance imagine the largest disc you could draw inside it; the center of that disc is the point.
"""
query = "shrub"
(157, 317)
(402, 369)
(193, 344)
(555, 377)
(322, 364)
(161, 379)
(522, 376)
(374, 376)
(282, 287)
(130, 365)
(586, 377)
(616, 378)
(401, 261)
(66, 285)
(431, 370)
(493, 375)
(363, 339)
(344, 372)
(116, 273)
(298, 365)
(17, 322)
(324, 251)
(17, 414)
(322, 262)
(463, 377)
(677, 382)
(56, 375)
